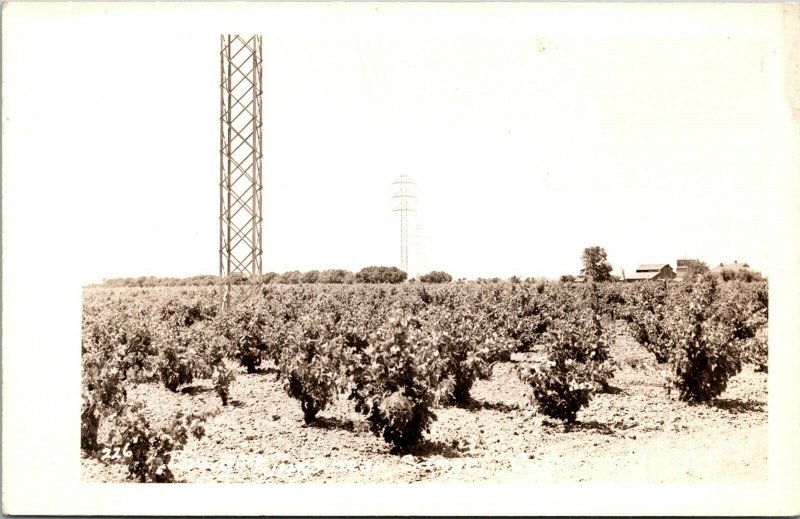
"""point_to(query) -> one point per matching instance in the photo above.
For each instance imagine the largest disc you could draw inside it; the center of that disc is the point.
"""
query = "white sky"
(531, 131)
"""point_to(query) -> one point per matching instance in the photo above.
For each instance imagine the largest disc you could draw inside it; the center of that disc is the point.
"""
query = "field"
(635, 424)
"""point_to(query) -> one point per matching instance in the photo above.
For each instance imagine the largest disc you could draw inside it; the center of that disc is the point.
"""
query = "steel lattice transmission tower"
(240, 155)
(403, 193)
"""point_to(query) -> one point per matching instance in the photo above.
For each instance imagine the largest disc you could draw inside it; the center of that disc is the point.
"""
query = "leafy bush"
(746, 311)
(147, 451)
(467, 346)
(313, 365)
(221, 374)
(756, 351)
(380, 275)
(437, 276)
(648, 318)
(187, 313)
(127, 333)
(400, 382)
(706, 354)
(575, 368)
(245, 326)
(102, 392)
(181, 355)
(139, 350)
(527, 315)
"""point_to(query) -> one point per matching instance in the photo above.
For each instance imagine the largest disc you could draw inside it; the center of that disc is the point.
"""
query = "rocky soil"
(634, 433)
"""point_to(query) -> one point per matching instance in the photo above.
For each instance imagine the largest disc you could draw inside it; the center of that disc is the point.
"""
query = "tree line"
(594, 259)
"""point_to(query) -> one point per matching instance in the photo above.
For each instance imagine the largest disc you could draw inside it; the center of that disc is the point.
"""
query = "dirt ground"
(634, 433)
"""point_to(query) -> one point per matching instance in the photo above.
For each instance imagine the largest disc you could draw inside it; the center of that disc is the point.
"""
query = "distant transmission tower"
(240, 154)
(403, 187)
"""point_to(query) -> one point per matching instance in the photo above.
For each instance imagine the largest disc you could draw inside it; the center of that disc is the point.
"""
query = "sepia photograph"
(429, 245)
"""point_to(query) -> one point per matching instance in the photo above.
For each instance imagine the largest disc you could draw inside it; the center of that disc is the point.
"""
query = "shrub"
(186, 314)
(528, 316)
(102, 391)
(575, 368)
(648, 318)
(244, 326)
(591, 304)
(706, 354)
(221, 374)
(380, 275)
(181, 357)
(437, 276)
(756, 351)
(147, 451)
(313, 365)
(400, 381)
(746, 311)
(126, 333)
(467, 346)
(139, 350)
(567, 278)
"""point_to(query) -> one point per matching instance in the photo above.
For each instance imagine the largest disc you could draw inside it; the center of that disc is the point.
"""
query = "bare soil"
(635, 432)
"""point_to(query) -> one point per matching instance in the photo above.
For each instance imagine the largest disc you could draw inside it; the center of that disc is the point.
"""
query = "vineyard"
(409, 382)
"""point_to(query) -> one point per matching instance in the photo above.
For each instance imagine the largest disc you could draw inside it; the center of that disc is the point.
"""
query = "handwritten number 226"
(108, 456)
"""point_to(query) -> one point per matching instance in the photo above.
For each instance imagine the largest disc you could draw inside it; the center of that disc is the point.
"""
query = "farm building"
(651, 271)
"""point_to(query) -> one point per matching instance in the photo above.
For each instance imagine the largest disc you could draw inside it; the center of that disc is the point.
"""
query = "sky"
(531, 132)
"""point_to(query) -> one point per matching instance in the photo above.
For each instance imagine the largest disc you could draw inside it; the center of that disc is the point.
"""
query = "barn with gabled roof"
(651, 271)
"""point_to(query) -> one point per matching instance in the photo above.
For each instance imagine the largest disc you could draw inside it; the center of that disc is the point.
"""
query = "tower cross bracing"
(240, 179)
(404, 195)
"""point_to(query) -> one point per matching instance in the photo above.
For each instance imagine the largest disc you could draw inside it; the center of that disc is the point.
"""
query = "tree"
(334, 276)
(437, 276)
(312, 276)
(380, 275)
(698, 268)
(595, 264)
(292, 277)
